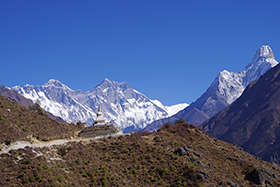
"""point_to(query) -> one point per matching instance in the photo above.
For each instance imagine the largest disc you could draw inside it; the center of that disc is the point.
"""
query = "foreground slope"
(225, 89)
(177, 155)
(252, 121)
(120, 103)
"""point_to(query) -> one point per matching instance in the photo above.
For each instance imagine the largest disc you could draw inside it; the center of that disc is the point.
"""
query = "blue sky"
(168, 50)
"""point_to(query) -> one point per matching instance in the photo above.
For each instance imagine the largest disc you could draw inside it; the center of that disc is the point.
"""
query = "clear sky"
(168, 50)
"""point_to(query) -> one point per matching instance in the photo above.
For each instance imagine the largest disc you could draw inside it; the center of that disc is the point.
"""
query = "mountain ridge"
(120, 103)
(252, 121)
(225, 89)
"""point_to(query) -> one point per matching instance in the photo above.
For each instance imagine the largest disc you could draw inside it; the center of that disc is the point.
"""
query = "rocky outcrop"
(261, 176)
(99, 130)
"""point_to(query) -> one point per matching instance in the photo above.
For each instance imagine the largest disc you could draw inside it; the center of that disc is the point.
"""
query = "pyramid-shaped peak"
(53, 82)
(263, 56)
(265, 51)
(107, 80)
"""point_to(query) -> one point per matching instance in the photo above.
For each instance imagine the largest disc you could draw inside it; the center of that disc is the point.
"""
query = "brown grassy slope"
(17, 123)
(135, 161)
(14, 96)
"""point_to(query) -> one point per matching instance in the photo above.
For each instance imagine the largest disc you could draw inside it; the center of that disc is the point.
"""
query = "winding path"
(38, 144)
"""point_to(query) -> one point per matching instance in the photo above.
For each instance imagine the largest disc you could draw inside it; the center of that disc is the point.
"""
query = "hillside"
(177, 155)
(14, 96)
(225, 89)
(19, 123)
(252, 121)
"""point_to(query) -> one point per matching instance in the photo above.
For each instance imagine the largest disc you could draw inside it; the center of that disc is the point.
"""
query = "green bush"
(26, 162)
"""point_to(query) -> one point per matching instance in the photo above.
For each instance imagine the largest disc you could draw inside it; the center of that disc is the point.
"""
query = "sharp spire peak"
(265, 51)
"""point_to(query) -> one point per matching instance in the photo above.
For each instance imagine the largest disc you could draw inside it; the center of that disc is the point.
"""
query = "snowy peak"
(107, 86)
(265, 51)
(228, 86)
(106, 82)
(54, 83)
(263, 56)
(120, 103)
(171, 110)
(262, 61)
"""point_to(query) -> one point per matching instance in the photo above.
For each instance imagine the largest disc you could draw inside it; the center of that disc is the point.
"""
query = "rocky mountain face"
(225, 89)
(252, 121)
(121, 104)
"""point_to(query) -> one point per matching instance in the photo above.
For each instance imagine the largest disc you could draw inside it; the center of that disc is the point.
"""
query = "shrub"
(26, 162)
(168, 126)
(181, 120)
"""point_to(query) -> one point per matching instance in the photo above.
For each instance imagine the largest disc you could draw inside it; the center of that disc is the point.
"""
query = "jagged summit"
(265, 51)
(55, 83)
(262, 61)
(106, 84)
(252, 121)
(120, 103)
(224, 90)
(264, 54)
(106, 81)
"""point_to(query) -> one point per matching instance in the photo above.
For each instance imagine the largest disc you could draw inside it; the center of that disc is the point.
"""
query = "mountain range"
(121, 104)
(38, 151)
(252, 121)
(225, 89)
(176, 155)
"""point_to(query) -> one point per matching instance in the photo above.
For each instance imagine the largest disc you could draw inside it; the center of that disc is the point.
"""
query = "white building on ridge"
(99, 119)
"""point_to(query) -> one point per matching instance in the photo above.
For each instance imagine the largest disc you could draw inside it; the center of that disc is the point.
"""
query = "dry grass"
(19, 123)
(141, 159)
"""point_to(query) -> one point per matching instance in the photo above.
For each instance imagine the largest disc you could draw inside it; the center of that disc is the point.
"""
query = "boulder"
(260, 177)
(181, 151)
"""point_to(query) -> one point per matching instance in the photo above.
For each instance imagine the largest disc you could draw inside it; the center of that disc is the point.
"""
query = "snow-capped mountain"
(171, 110)
(121, 104)
(225, 89)
(228, 86)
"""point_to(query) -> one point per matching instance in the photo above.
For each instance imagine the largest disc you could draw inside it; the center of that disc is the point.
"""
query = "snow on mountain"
(121, 104)
(225, 89)
(260, 63)
(228, 86)
(171, 110)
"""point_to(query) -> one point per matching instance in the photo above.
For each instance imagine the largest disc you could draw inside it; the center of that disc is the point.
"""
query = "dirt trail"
(38, 144)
